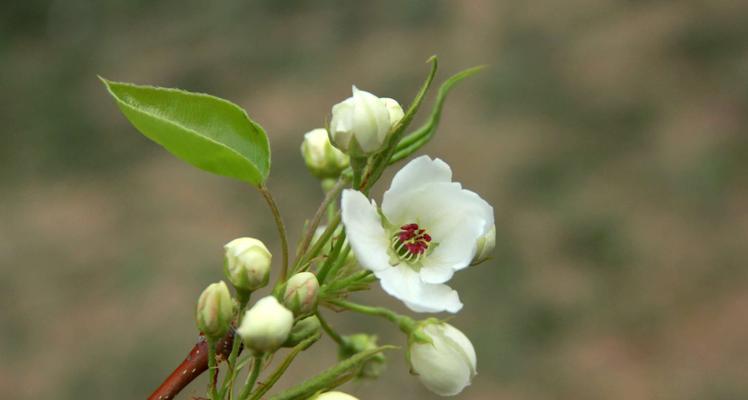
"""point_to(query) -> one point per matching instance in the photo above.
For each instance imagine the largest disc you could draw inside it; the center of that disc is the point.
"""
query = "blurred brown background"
(610, 136)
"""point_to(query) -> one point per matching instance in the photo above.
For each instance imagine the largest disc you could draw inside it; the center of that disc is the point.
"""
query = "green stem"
(357, 278)
(329, 330)
(228, 381)
(330, 198)
(251, 378)
(212, 369)
(320, 243)
(358, 164)
(341, 260)
(281, 229)
(273, 378)
(406, 324)
(331, 259)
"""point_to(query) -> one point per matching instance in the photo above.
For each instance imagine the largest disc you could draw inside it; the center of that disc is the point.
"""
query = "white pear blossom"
(428, 228)
(360, 123)
(448, 364)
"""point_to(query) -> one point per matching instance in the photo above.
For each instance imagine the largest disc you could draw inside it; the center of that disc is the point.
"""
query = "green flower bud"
(484, 246)
(301, 293)
(215, 309)
(247, 264)
(354, 344)
(302, 330)
(265, 326)
(321, 158)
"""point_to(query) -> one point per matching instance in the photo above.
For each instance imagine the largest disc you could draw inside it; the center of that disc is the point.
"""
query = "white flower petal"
(454, 217)
(405, 284)
(363, 228)
(418, 172)
(436, 271)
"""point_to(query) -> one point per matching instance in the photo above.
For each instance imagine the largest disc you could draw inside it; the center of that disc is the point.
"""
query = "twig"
(193, 365)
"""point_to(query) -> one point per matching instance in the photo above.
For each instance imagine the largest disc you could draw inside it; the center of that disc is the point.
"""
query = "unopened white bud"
(301, 293)
(484, 246)
(247, 264)
(360, 123)
(215, 309)
(334, 396)
(447, 364)
(322, 159)
(266, 325)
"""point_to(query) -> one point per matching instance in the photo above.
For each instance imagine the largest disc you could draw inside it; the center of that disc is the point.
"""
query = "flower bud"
(265, 326)
(484, 246)
(301, 293)
(247, 264)
(215, 309)
(360, 342)
(334, 396)
(360, 123)
(448, 364)
(321, 158)
(302, 330)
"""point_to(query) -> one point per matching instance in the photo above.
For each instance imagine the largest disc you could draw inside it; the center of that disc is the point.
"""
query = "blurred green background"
(610, 136)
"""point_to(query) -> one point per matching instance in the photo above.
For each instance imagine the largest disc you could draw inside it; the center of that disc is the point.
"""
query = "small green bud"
(321, 158)
(215, 309)
(301, 293)
(302, 330)
(358, 343)
(265, 326)
(247, 264)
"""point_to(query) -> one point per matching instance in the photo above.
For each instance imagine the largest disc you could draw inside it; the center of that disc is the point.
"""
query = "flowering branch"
(426, 229)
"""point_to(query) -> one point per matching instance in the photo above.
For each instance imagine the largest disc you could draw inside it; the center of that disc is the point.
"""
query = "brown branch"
(193, 365)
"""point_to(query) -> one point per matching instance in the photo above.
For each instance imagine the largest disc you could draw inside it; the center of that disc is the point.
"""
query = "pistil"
(411, 243)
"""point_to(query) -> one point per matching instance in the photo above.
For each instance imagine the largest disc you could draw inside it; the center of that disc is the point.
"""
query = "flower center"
(411, 243)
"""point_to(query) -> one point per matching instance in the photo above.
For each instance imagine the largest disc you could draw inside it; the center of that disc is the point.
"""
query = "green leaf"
(210, 133)
(416, 139)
